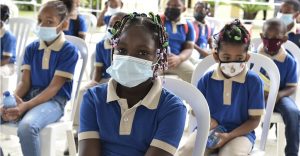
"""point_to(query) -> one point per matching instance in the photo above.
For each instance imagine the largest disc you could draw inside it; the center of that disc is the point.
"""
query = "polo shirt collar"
(181, 21)
(107, 44)
(150, 101)
(280, 57)
(56, 45)
(240, 78)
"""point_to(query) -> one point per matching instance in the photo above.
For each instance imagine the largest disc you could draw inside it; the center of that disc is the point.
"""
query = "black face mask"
(199, 16)
(172, 13)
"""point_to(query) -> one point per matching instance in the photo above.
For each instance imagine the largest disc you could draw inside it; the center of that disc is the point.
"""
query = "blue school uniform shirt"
(232, 101)
(8, 45)
(44, 62)
(103, 57)
(205, 32)
(295, 38)
(286, 65)
(106, 19)
(177, 35)
(157, 120)
(76, 30)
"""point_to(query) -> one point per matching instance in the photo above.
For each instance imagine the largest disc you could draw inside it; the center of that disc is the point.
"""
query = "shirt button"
(125, 119)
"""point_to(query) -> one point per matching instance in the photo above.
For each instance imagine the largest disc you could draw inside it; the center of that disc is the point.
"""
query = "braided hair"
(234, 33)
(154, 24)
(4, 13)
(63, 7)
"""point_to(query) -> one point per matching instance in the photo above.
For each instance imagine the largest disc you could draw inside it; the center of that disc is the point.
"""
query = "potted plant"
(251, 10)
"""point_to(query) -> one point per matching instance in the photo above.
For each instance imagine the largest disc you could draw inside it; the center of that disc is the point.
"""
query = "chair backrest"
(91, 20)
(21, 28)
(294, 51)
(255, 42)
(196, 100)
(80, 66)
(258, 61)
(215, 24)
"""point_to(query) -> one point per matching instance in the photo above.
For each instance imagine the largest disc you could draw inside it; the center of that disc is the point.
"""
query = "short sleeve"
(202, 85)
(170, 127)
(67, 62)
(106, 19)
(291, 77)
(99, 57)
(88, 126)
(9, 48)
(191, 33)
(27, 59)
(82, 24)
(256, 104)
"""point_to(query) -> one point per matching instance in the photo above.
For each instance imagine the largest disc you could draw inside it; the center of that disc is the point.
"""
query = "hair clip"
(237, 38)
(113, 31)
(165, 44)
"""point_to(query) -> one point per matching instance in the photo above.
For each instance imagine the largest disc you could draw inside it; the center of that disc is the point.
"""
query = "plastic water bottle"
(213, 139)
(9, 100)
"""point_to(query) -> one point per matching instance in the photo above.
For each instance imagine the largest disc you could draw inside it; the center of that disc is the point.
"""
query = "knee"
(27, 128)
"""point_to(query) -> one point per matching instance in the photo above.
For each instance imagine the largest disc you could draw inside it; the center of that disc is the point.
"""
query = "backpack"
(195, 24)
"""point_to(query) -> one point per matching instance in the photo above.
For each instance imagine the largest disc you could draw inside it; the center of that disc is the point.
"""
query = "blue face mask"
(130, 71)
(286, 18)
(47, 34)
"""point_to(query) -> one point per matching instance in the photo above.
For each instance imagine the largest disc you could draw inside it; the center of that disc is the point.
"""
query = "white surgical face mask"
(112, 11)
(286, 18)
(47, 34)
(130, 71)
(233, 68)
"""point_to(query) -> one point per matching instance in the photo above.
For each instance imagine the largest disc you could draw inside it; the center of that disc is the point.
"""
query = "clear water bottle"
(213, 139)
(9, 100)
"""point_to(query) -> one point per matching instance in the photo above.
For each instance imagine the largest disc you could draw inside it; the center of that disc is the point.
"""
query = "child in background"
(132, 114)
(273, 36)
(289, 11)
(77, 23)
(111, 7)
(181, 40)
(8, 43)
(7, 48)
(46, 82)
(203, 32)
(241, 104)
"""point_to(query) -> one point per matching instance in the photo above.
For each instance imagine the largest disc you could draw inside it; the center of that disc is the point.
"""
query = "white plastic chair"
(91, 20)
(259, 62)
(49, 134)
(21, 28)
(194, 98)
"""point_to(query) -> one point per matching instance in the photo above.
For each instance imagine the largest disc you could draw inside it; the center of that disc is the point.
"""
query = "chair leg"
(47, 138)
(280, 139)
(71, 143)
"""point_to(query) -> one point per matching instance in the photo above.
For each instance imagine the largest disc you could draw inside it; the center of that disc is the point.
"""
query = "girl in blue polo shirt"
(77, 23)
(7, 46)
(46, 82)
(234, 94)
(132, 115)
(111, 7)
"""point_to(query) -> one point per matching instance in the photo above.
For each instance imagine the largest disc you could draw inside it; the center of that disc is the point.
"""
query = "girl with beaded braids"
(46, 83)
(132, 115)
(237, 113)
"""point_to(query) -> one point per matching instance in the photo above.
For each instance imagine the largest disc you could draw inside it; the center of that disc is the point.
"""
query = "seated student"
(273, 36)
(111, 7)
(7, 47)
(46, 82)
(132, 114)
(289, 10)
(77, 23)
(203, 32)
(181, 40)
(241, 90)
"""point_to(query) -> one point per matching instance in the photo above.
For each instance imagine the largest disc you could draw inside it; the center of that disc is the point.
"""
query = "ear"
(247, 57)
(183, 9)
(215, 54)
(296, 14)
(65, 25)
(121, 4)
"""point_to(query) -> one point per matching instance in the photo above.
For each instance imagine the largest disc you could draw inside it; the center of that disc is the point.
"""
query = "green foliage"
(252, 8)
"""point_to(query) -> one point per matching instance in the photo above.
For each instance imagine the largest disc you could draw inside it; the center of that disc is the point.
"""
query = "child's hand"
(224, 138)
(213, 123)
(16, 112)
(173, 61)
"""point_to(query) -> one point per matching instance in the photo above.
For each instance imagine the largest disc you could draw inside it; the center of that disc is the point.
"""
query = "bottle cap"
(6, 93)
